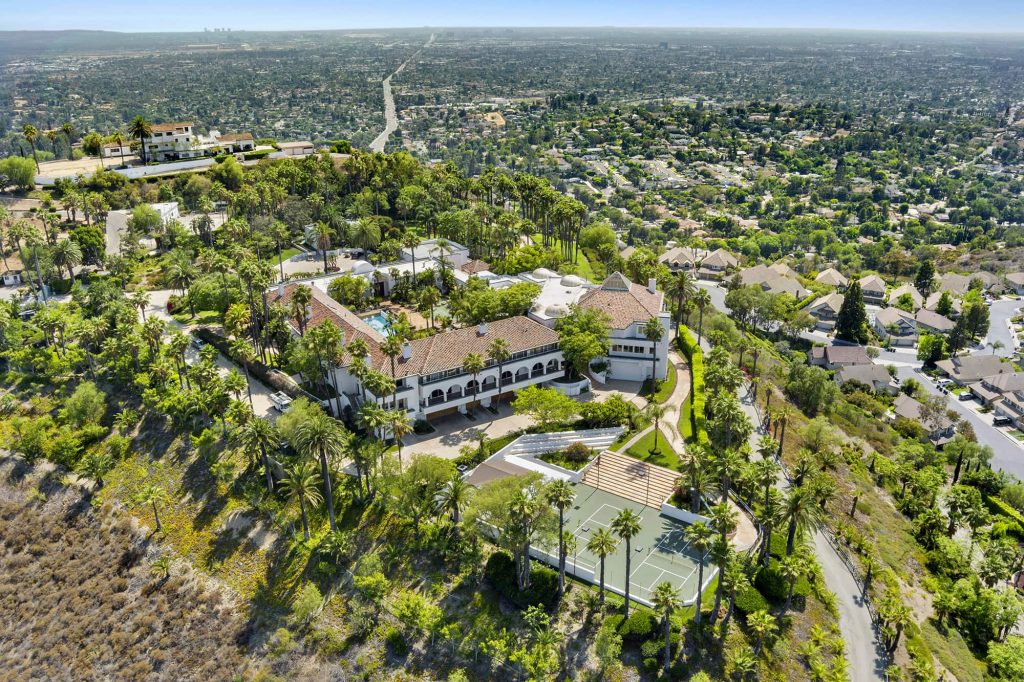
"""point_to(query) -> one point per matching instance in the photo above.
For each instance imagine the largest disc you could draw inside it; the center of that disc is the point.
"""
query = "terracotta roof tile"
(623, 301)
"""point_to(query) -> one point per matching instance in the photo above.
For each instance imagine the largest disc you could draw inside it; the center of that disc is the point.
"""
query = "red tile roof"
(623, 301)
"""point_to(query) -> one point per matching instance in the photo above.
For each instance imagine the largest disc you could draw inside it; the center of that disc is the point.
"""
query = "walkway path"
(674, 404)
(863, 648)
(390, 114)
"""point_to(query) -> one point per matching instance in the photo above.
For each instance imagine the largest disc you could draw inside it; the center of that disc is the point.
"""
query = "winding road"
(390, 113)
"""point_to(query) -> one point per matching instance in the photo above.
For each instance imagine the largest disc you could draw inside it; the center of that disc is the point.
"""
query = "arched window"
(538, 369)
(522, 373)
(436, 396)
(552, 365)
(454, 392)
(489, 383)
(506, 377)
(472, 386)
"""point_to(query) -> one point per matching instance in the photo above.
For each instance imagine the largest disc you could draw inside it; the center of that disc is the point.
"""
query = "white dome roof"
(572, 281)
(544, 273)
(361, 267)
(556, 310)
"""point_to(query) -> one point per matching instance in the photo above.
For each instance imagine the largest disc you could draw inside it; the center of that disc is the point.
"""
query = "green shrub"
(638, 626)
(1000, 508)
(651, 648)
(695, 357)
(651, 665)
(749, 600)
(395, 642)
(577, 452)
(306, 604)
(543, 590)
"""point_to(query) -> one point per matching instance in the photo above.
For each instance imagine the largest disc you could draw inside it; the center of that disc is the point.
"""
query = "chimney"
(652, 285)
(406, 351)
(482, 329)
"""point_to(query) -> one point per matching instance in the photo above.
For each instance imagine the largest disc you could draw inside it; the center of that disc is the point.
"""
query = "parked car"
(966, 395)
(198, 343)
(1001, 420)
(281, 401)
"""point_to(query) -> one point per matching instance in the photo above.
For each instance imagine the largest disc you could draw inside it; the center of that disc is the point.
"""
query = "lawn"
(685, 419)
(583, 265)
(666, 456)
(285, 255)
(202, 316)
(665, 387)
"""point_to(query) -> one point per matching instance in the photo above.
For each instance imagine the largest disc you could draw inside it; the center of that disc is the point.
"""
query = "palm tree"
(300, 483)
(392, 347)
(474, 363)
(655, 412)
(627, 525)
(324, 234)
(66, 254)
(783, 413)
(117, 137)
(744, 664)
(321, 437)
(681, 288)
(763, 626)
(727, 465)
(792, 568)
(299, 306)
(693, 460)
(154, 495)
(654, 332)
(429, 298)
(140, 299)
(161, 568)
(96, 465)
(454, 497)
(561, 495)
(68, 131)
(30, 133)
(700, 536)
(801, 512)
(401, 426)
(701, 299)
(498, 352)
(766, 470)
(258, 435)
(665, 600)
(140, 129)
(770, 515)
(601, 544)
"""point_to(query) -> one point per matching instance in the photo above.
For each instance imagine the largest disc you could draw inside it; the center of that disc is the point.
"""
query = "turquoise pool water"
(379, 321)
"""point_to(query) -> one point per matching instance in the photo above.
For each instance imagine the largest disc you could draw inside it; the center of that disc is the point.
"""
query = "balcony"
(490, 390)
(424, 381)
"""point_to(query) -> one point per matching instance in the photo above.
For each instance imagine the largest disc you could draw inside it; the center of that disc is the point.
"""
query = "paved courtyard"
(453, 431)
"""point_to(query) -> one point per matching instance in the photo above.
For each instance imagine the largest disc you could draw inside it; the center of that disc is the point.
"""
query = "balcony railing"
(424, 381)
(484, 392)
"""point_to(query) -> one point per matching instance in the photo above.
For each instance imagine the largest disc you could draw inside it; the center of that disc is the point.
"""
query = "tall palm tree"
(727, 465)
(701, 299)
(429, 298)
(392, 347)
(770, 515)
(154, 495)
(792, 568)
(801, 512)
(300, 484)
(117, 137)
(66, 254)
(766, 471)
(498, 352)
(626, 525)
(561, 495)
(453, 498)
(694, 459)
(321, 437)
(654, 332)
(401, 426)
(700, 536)
(655, 412)
(601, 544)
(31, 134)
(299, 306)
(324, 235)
(140, 129)
(69, 131)
(474, 363)
(259, 436)
(681, 288)
(666, 600)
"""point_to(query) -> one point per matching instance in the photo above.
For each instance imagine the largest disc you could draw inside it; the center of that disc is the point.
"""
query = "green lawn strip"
(285, 255)
(184, 316)
(665, 387)
(686, 419)
(666, 456)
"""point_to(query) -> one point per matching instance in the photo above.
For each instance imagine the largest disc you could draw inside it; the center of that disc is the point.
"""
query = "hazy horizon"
(191, 16)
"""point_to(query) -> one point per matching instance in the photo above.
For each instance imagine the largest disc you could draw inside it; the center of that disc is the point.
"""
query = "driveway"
(454, 431)
(1000, 313)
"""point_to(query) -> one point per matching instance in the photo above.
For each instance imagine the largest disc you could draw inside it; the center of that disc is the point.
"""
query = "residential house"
(433, 249)
(773, 282)
(991, 389)
(180, 141)
(834, 357)
(832, 278)
(235, 143)
(933, 323)
(629, 307)
(967, 369)
(114, 150)
(875, 377)
(784, 270)
(298, 148)
(940, 428)
(906, 289)
(958, 285)
(12, 278)
(897, 326)
(826, 309)
(683, 258)
(717, 264)
(932, 303)
(1011, 406)
(872, 287)
(429, 378)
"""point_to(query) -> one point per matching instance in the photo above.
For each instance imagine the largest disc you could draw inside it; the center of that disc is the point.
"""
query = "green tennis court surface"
(660, 551)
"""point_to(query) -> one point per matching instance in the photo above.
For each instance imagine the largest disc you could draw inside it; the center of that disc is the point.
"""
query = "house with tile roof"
(773, 281)
(896, 326)
(966, 369)
(911, 291)
(628, 307)
(429, 378)
(832, 278)
(939, 428)
(872, 287)
(825, 310)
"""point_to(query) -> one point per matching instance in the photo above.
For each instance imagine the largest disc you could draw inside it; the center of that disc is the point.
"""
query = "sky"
(999, 16)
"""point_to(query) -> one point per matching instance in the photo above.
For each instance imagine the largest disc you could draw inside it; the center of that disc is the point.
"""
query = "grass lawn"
(666, 456)
(202, 317)
(665, 387)
(583, 265)
(685, 422)
(285, 255)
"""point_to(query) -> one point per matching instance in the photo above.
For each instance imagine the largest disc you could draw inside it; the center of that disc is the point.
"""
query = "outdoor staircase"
(541, 443)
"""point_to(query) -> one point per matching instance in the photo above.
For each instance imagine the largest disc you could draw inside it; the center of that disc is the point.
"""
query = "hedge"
(274, 380)
(695, 357)
(1000, 507)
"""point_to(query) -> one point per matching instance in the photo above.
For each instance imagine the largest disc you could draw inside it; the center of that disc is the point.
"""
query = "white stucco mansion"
(430, 381)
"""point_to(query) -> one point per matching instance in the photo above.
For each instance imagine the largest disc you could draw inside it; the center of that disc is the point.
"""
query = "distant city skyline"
(988, 16)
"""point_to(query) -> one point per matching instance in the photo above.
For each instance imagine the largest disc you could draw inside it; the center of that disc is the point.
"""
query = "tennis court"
(660, 551)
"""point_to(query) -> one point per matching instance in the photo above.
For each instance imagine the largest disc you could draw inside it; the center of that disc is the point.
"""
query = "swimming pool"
(379, 321)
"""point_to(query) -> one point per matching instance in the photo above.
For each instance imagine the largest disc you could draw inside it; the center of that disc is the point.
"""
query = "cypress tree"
(852, 322)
